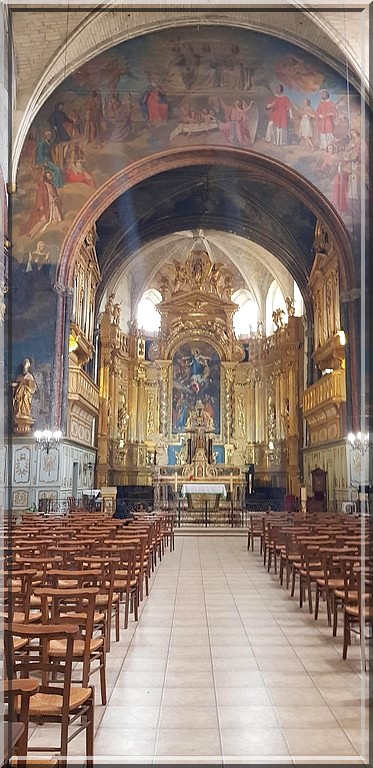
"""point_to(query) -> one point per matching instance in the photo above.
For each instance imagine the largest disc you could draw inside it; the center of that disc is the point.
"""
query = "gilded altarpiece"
(324, 402)
(83, 399)
(194, 372)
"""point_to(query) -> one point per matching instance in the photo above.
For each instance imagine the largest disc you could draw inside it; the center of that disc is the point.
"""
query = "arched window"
(148, 318)
(245, 320)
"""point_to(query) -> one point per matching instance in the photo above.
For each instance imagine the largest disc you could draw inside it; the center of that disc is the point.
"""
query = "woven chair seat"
(98, 616)
(102, 600)
(19, 617)
(33, 762)
(58, 647)
(333, 583)
(35, 601)
(123, 584)
(49, 704)
(353, 610)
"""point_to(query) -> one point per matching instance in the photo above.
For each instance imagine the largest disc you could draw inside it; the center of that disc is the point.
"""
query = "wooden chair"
(255, 531)
(107, 599)
(357, 615)
(17, 693)
(60, 702)
(76, 606)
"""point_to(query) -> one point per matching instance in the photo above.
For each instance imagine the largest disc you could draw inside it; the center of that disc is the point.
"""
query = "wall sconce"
(47, 439)
(359, 442)
(88, 466)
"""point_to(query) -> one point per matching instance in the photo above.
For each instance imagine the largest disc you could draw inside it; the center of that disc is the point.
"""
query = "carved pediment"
(196, 301)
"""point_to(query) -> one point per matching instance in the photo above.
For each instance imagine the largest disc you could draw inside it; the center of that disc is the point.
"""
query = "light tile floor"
(224, 668)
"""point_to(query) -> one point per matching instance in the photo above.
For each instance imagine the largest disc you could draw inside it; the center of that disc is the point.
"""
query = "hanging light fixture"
(47, 439)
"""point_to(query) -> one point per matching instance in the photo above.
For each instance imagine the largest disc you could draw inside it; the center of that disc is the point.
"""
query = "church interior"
(186, 456)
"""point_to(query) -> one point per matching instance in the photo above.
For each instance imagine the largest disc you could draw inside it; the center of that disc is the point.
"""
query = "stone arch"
(254, 164)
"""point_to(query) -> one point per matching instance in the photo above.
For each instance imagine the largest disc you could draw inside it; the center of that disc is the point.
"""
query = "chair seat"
(102, 600)
(36, 601)
(313, 574)
(333, 583)
(33, 762)
(123, 584)
(49, 704)
(58, 647)
(67, 583)
(18, 643)
(98, 616)
(354, 611)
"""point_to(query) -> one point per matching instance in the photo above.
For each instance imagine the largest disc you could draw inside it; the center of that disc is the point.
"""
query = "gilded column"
(163, 367)
(141, 410)
(251, 411)
(229, 406)
(132, 406)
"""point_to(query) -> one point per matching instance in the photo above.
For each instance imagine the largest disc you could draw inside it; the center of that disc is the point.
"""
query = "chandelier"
(47, 439)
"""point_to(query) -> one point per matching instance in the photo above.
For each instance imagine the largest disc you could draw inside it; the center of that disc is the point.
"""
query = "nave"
(223, 667)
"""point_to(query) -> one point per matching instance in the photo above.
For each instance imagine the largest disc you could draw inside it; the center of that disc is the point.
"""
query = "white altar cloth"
(199, 488)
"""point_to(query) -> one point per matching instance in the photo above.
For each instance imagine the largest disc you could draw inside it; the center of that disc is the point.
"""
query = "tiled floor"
(223, 667)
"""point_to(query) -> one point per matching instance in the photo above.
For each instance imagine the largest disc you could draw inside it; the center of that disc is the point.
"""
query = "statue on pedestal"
(24, 388)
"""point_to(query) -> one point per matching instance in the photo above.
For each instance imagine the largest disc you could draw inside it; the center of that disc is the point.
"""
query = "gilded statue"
(277, 317)
(123, 419)
(290, 306)
(24, 388)
(321, 242)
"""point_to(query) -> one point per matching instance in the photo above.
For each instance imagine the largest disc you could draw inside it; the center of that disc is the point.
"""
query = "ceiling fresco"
(195, 86)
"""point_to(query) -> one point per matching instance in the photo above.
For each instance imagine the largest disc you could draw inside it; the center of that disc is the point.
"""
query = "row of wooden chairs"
(63, 586)
(329, 559)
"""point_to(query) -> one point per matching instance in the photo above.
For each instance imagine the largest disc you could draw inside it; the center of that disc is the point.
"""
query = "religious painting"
(179, 87)
(196, 376)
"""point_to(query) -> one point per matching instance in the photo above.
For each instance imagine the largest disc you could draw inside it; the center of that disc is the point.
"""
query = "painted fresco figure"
(326, 114)
(306, 125)
(94, 118)
(47, 207)
(58, 120)
(280, 111)
(24, 388)
(118, 115)
(242, 125)
(154, 104)
(43, 157)
(75, 170)
(39, 259)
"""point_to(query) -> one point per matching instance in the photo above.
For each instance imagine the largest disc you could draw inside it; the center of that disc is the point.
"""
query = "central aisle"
(223, 665)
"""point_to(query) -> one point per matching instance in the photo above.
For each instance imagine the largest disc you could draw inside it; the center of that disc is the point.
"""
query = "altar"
(202, 489)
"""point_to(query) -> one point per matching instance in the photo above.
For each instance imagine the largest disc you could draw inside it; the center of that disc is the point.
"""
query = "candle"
(231, 483)
(175, 482)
